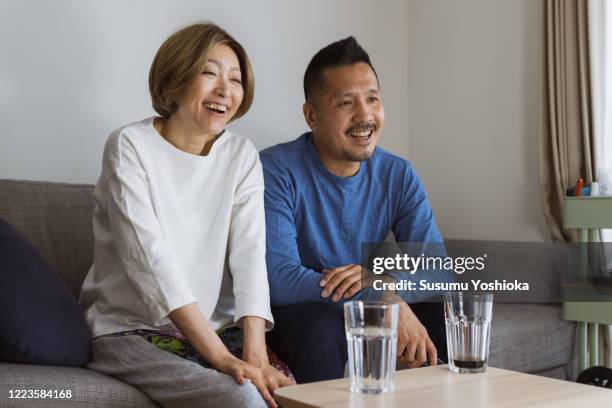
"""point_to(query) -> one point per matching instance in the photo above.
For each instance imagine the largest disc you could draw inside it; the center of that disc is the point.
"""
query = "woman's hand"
(189, 320)
(254, 353)
(241, 370)
(273, 378)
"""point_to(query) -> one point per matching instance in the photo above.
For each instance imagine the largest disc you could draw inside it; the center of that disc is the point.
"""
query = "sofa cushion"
(88, 388)
(40, 321)
(530, 337)
(56, 218)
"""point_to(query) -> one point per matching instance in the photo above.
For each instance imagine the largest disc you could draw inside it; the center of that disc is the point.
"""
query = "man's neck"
(339, 167)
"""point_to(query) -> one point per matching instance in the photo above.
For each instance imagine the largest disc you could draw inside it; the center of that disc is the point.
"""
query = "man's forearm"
(293, 283)
(393, 297)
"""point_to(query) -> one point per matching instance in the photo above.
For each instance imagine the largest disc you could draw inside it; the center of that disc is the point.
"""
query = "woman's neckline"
(170, 146)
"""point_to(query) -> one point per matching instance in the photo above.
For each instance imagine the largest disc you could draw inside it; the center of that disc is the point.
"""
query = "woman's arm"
(247, 264)
(190, 321)
(143, 253)
(254, 352)
(247, 243)
(254, 348)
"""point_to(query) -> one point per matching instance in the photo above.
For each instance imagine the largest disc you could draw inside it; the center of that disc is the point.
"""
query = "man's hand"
(413, 343)
(343, 281)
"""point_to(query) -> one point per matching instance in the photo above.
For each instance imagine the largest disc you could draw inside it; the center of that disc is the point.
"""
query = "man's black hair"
(344, 52)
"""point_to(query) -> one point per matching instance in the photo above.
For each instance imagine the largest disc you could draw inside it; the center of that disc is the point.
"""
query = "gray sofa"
(56, 218)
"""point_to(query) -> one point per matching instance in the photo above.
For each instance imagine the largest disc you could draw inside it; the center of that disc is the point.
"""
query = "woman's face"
(213, 98)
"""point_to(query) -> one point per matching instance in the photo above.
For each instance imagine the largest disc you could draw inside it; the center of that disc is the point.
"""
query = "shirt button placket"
(347, 219)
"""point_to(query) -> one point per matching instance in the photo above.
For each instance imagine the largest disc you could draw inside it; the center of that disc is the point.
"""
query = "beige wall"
(473, 97)
(72, 71)
(465, 113)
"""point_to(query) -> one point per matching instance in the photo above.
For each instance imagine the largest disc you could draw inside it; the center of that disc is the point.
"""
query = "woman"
(179, 273)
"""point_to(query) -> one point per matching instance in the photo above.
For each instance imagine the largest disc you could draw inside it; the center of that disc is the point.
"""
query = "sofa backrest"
(57, 219)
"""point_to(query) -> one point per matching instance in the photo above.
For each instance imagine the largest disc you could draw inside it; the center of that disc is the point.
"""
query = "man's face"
(346, 114)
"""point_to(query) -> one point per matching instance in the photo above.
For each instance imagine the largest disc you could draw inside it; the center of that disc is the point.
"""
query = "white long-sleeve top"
(171, 228)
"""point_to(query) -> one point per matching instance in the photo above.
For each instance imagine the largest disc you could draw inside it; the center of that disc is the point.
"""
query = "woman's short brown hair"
(181, 58)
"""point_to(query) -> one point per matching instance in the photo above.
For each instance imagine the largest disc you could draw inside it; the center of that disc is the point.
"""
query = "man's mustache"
(365, 126)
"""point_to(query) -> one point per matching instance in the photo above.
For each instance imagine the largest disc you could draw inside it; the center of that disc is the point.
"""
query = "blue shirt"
(317, 220)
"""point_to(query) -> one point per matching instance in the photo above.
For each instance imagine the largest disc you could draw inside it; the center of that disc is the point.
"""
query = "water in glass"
(372, 353)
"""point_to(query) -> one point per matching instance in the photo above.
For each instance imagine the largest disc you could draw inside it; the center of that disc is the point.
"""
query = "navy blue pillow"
(40, 320)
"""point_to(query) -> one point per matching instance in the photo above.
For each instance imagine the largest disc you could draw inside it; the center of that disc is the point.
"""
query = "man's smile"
(361, 134)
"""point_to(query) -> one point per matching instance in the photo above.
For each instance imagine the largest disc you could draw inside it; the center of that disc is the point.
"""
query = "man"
(326, 193)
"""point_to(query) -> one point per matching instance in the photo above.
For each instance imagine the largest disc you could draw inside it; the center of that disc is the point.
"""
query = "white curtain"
(600, 58)
(606, 135)
(600, 55)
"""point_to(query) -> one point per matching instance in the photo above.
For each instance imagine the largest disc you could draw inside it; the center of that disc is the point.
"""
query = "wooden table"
(438, 387)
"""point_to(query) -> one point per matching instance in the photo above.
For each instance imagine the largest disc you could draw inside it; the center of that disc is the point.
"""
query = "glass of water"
(371, 334)
(468, 330)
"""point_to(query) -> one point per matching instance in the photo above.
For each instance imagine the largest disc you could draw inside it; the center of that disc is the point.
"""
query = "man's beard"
(360, 156)
(357, 156)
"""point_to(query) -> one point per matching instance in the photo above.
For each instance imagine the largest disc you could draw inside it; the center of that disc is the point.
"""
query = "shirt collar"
(345, 182)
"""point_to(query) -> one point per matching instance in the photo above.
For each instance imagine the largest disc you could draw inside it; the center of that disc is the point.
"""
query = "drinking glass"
(468, 330)
(371, 335)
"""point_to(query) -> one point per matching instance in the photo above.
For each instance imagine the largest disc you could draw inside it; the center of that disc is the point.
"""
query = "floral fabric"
(174, 342)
